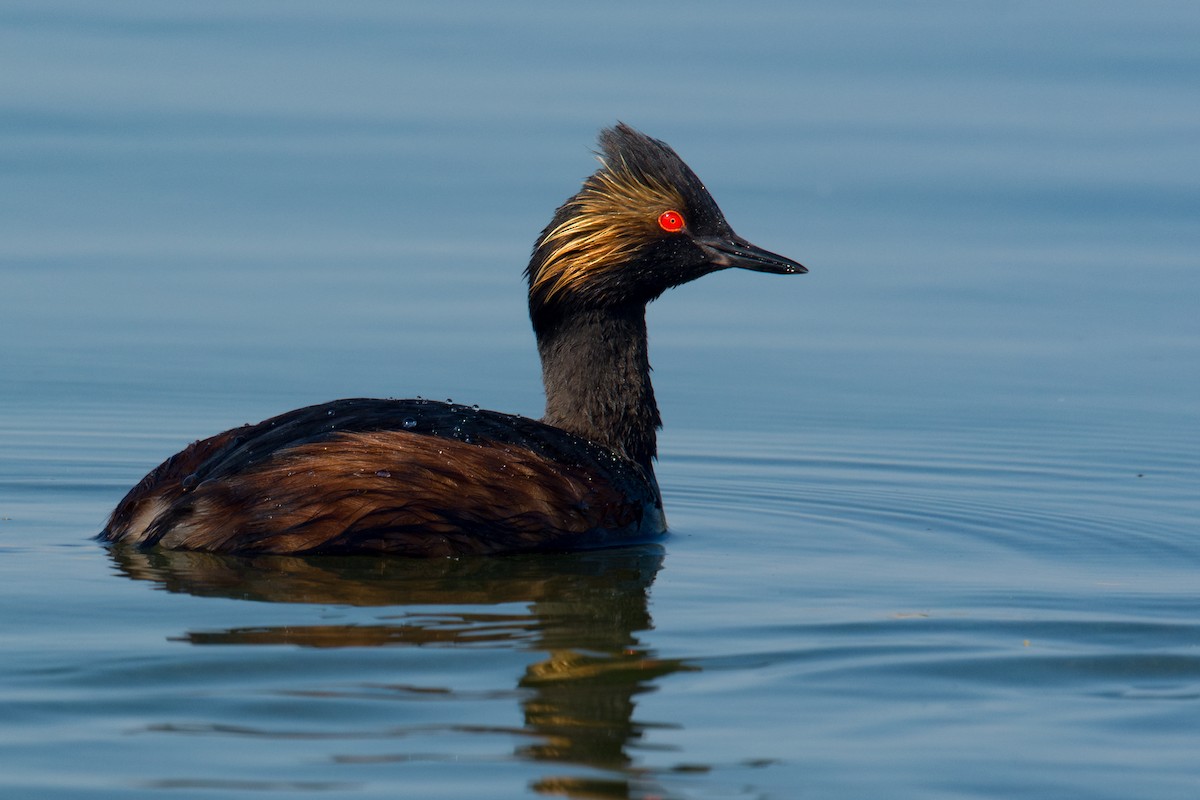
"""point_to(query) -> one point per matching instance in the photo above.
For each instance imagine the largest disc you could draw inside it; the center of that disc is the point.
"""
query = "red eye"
(670, 221)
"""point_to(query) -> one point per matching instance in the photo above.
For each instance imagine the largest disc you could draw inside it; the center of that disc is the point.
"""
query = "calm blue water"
(936, 505)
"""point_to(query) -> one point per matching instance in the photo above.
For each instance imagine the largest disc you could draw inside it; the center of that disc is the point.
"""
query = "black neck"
(597, 378)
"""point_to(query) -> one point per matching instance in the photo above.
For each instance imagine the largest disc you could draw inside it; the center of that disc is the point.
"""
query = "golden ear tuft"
(616, 212)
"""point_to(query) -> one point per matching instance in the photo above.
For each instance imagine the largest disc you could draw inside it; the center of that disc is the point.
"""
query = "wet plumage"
(423, 478)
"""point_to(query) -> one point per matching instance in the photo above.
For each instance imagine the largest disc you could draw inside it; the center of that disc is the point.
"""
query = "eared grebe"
(424, 478)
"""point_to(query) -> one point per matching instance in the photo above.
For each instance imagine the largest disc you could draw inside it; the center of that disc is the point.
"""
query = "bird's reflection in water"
(583, 611)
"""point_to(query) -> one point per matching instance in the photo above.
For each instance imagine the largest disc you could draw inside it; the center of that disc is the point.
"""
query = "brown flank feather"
(395, 492)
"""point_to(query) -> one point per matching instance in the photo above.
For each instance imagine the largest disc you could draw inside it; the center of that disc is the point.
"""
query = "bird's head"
(641, 224)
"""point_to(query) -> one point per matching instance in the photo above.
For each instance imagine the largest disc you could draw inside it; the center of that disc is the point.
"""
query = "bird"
(425, 478)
